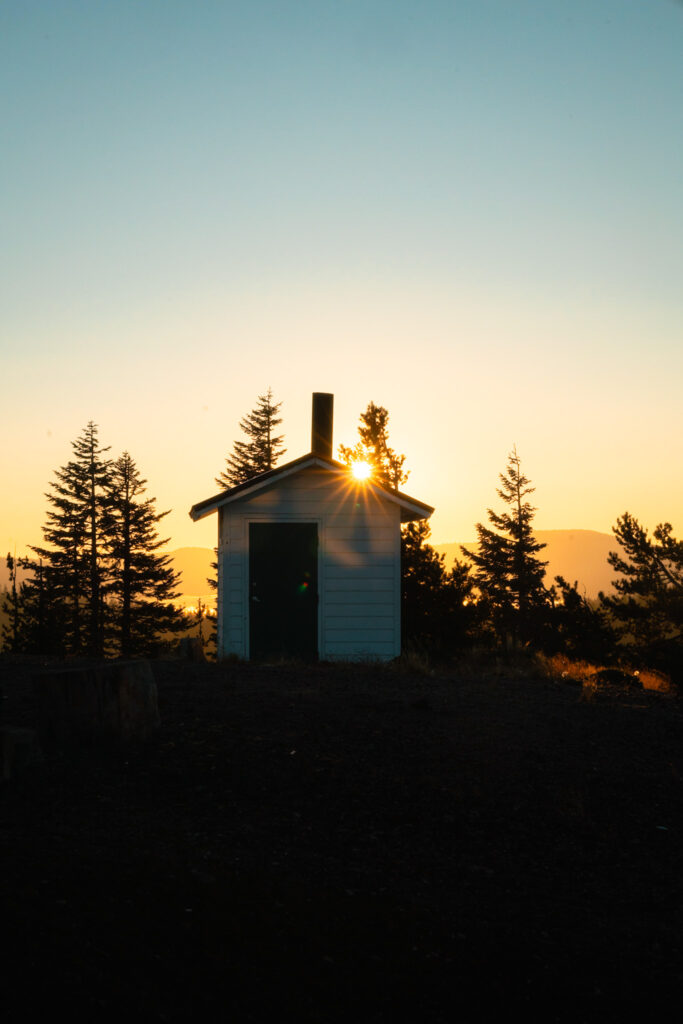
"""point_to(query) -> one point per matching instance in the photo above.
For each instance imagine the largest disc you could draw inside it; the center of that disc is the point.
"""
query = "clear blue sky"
(469, 212)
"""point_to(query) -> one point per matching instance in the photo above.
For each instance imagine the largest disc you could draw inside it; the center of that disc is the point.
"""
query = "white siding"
(233, 567)
(358, 563)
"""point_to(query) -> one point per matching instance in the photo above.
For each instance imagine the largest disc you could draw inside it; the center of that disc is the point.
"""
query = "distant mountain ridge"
(193, 563)
(195, 566)
(578, 555)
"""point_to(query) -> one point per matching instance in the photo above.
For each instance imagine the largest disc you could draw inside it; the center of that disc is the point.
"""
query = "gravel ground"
(337, 843)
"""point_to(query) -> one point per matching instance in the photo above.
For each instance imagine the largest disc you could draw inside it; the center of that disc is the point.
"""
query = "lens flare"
(361, 470)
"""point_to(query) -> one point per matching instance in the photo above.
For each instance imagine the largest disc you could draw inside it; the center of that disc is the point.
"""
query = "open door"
(283, 590)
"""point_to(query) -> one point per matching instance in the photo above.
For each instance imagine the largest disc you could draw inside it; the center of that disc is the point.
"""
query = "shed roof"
(411, 508)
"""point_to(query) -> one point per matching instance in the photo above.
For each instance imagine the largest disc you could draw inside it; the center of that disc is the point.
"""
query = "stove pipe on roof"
(321, 424)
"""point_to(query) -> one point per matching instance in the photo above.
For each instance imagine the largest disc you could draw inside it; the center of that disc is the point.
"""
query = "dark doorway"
(283, 590)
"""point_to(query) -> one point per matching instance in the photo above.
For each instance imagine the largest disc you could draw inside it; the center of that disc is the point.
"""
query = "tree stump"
(109, 699)
(190, 648)
(19, 749)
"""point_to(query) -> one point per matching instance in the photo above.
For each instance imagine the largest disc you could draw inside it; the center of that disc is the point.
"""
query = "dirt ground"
(338, 843)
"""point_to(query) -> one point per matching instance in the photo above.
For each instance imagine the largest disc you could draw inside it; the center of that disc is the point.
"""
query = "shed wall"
(359, 612)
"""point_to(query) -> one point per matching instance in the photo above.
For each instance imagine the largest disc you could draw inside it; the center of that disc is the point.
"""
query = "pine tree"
(263, 448)
(212, 582)
(73, 559)
(438, 613)
(508, 573)
(142, 583)
(576, 626)
(249, 458)
(373, 448)
(649, 607)
(44, 614)
(11, 608)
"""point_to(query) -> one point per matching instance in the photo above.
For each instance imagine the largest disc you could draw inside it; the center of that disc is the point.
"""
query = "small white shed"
(309, 558)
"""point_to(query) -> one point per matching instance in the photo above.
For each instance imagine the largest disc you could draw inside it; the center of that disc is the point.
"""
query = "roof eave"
(414, 509)
(204, 508)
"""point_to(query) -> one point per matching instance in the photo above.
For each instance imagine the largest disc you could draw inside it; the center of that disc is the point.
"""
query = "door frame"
(282, 517)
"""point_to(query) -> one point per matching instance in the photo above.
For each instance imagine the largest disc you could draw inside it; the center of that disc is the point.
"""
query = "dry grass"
(653, 680)
(586, 674)
(559, 666)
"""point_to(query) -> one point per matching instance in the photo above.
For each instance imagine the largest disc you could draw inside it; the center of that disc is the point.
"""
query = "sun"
(361, 470)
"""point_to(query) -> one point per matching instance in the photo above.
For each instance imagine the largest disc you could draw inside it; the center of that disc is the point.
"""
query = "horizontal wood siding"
(232, 613)
(359, 563)
(354, 650)
(361, 596)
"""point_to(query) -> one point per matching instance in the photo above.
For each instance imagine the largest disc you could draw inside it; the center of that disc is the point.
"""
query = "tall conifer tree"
(507, 571)
(263, 448)
(373, 448)
(648, 608)
(73, 555)
(435, 614)
(249, 458)
(142, 583)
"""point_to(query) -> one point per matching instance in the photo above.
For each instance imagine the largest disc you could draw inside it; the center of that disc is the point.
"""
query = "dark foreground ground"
(340, 844)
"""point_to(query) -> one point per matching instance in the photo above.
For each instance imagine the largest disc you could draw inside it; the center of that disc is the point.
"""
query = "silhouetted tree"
(212, 582)
(576, 626)
(142, 583)
(507, 571)
(263, 448)
(199, 617)
(44, 613)
(249, 458)
(73, 559)
(438, 611)
(373, 448)
(648, 608)
(11, 608)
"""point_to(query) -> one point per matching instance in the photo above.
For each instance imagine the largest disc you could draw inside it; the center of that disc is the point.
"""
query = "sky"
(469, 212)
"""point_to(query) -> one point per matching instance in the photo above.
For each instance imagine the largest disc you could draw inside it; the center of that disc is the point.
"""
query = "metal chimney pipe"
(321, 424)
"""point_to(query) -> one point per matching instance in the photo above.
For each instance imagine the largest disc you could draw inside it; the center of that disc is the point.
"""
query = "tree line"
(100, 585)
